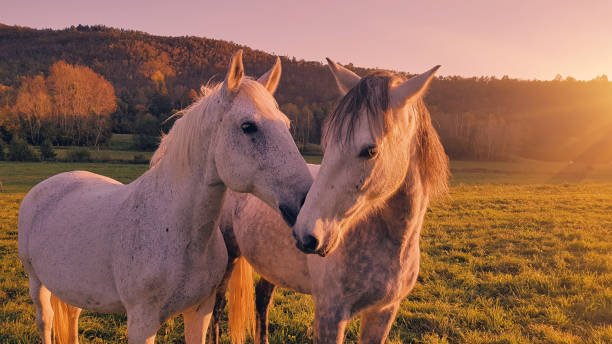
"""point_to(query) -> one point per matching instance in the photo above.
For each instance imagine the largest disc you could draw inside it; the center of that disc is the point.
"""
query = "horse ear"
(345, 79)
(235, 74)
(412, 89)
(271, 78)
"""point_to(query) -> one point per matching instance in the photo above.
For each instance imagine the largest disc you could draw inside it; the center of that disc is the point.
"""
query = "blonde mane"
(186, 130)
(184, 141)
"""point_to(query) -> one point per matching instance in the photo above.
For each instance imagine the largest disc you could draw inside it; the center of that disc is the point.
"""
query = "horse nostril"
(303, 200)
(310, 243)
(289, 215)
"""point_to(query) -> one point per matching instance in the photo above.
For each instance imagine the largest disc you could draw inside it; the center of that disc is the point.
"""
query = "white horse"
(152, 248)
(383, 161)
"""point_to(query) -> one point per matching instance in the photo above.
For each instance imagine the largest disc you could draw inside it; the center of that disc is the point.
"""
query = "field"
(519, 252)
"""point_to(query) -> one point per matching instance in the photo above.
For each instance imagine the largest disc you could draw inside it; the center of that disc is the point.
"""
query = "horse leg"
(196, 321)
(41, 297)
(73, 323)
(233, 253)
(376, 324)
(263, 296)
(220, 303)
(330, 323)
(143, 323)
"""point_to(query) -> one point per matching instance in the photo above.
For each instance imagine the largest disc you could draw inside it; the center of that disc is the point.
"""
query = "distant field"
(518, 253)
(19, 177)
(528, 172)
(120, 148)
(105, 155)
(121, 142)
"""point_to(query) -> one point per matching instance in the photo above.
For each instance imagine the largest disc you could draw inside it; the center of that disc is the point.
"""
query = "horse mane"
(371, 98)
(186, 135)
(178, 143)
(433, 161)
(370, 94)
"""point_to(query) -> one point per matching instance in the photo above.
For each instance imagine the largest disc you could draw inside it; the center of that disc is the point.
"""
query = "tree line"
(71, 106)
(152, 77)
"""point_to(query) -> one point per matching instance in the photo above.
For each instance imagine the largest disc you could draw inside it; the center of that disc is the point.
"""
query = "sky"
(535, 39)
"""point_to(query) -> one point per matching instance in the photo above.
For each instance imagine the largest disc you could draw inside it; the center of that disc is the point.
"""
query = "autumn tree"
(83, 102)
(33, 106)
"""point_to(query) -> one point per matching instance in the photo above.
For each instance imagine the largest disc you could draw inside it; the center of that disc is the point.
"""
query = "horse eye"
(368, 152)
(248, 127)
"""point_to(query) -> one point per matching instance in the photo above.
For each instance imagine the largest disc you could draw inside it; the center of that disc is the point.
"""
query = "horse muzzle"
(309, 244)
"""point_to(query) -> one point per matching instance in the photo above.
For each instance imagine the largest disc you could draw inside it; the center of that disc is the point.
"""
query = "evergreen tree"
(19, 150)
(46, 150)
(2, 156)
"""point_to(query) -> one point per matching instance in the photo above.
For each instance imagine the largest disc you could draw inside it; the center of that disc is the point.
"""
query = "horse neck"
(404, 212)
(190, 199)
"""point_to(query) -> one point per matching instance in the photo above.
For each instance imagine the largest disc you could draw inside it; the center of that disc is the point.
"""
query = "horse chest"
(375, 274)
(266, 242)
(172, 272)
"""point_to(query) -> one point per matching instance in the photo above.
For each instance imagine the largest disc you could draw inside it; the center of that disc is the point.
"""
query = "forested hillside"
(153, 76)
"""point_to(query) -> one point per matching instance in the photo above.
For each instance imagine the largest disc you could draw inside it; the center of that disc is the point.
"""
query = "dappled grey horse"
(362, 218)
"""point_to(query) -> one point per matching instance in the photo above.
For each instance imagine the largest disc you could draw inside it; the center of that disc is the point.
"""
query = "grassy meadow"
(520, 252)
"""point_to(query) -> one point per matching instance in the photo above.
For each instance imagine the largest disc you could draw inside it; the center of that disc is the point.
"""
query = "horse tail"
(241, 302)
(61, 322)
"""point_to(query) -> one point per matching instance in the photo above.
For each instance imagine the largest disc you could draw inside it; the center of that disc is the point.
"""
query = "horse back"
(52, 206)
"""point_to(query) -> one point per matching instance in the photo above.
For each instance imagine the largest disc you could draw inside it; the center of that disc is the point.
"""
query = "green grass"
(121, 142)
(518, 253)
(19, 177)
(313, 159)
